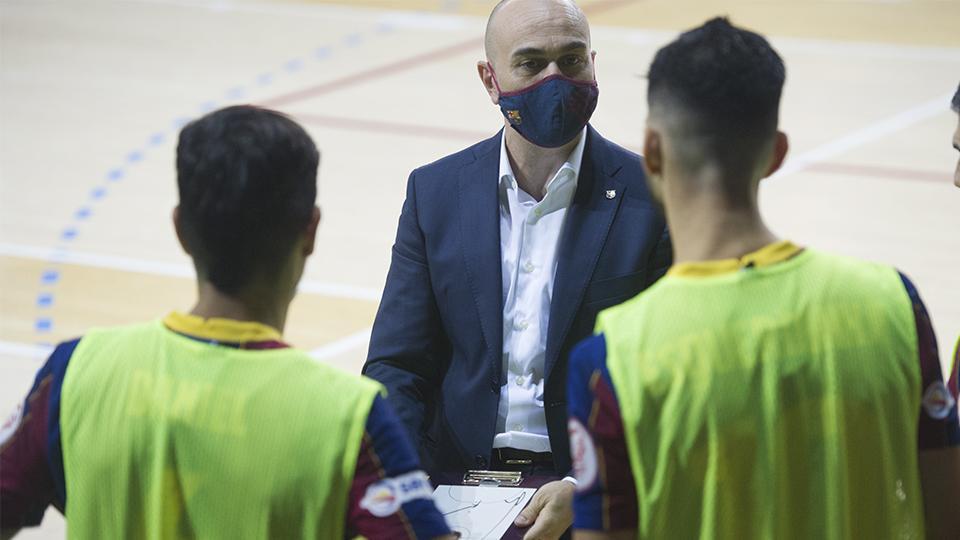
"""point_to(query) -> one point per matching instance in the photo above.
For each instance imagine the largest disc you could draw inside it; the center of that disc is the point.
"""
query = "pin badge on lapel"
(611, 193)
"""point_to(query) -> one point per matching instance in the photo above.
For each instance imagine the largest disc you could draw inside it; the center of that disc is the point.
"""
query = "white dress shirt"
(529, 235)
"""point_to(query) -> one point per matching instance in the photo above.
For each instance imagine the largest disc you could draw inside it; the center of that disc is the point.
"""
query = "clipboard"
(512, 482)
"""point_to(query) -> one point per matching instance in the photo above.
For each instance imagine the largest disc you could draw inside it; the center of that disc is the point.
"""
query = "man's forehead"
(539, 25)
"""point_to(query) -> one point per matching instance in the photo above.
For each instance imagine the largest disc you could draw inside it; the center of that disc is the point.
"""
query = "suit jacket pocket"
(612, 291)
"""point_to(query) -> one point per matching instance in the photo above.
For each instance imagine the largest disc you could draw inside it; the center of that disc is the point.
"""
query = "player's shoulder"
(845, 270)
(587, 357)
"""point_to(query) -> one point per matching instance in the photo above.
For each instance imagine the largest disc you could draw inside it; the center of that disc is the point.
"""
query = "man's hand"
(550, 511)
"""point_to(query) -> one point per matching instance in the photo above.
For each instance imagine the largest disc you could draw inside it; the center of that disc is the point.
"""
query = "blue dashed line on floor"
(49, 277)
(44, 300)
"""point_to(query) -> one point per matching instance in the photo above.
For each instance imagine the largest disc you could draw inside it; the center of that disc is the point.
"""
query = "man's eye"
(530, 65)
(571, 61)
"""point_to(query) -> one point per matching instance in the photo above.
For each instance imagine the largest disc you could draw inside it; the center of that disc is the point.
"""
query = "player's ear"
(310, 233)
(652, 153)
(780, 147)
(485, 71)
(178, 227)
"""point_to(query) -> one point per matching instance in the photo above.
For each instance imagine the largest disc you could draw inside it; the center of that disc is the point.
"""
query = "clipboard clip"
(492, 478)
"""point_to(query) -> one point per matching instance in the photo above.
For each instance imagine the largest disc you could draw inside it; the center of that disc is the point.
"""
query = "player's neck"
(705, 228)
(267, 309)
(533, 166)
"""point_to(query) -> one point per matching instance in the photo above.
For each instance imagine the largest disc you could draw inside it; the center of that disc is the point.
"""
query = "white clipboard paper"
(481, 512)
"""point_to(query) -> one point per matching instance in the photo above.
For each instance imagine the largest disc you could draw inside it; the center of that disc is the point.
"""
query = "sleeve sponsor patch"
(937, 401)
(385, 497)
(584, 455)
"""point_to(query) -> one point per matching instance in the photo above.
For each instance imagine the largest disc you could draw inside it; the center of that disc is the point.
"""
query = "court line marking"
(342, 345)
(157, 268)
(25, 350)
(50, 276)
(411, 62)
(865, 135)
(445, 133)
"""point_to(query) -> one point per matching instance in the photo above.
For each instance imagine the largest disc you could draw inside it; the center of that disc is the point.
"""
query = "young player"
(207, 424)
(760, 389)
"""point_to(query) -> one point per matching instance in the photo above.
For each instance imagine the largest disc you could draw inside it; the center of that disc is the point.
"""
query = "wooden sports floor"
(92, 95)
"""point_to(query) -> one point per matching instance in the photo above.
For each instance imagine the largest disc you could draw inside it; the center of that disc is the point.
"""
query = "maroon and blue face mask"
(551, 112)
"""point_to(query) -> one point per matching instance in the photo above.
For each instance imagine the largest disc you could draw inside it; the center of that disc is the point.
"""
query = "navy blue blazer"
(437, 340)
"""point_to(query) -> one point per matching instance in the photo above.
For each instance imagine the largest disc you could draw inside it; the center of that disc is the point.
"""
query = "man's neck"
(211, 303)
(534, 166)
(705, 228)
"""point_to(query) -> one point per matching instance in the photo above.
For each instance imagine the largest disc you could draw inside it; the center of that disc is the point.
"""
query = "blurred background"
(93, 93)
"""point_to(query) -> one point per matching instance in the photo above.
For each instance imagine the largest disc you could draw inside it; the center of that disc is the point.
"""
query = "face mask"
(551, 112)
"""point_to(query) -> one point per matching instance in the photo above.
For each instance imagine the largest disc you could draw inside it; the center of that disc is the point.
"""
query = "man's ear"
(310, 233)
(780, 147)
(652, 153)
(487, 78)
(179, 229)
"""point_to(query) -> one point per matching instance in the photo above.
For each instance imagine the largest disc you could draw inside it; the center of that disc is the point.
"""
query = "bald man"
(505, 253)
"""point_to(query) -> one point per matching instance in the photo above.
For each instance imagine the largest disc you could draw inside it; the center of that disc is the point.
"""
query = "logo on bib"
(584, 455)
(937, 401)
(385, 497)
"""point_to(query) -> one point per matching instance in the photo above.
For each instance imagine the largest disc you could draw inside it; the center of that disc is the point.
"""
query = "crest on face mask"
(514, 117)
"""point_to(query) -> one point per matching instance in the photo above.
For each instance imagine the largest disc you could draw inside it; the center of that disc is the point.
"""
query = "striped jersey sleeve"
(606, 497)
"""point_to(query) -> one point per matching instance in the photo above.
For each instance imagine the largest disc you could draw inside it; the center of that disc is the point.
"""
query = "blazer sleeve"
(409, 349)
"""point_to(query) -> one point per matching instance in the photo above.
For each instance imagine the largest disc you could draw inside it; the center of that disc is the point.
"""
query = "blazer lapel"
(480, 242)
(584, 233)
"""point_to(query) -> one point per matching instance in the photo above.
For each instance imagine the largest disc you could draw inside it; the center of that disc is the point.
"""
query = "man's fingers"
(545, 528)
(530, 513)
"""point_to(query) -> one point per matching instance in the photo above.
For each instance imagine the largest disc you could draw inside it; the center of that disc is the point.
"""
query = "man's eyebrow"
(534, 51)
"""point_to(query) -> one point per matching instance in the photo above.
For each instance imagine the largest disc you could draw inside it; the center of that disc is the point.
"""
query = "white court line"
(156, 268)
(342, 345)
(866, 134)
(25, 350)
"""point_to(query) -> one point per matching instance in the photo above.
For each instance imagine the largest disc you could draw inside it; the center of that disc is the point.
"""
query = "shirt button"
(538, 212)
(528, 267)
(521, 325)
(519, 380)
(517, 427)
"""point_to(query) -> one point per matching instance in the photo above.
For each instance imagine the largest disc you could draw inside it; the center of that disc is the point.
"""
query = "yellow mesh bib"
(168, 437)
(779, 401)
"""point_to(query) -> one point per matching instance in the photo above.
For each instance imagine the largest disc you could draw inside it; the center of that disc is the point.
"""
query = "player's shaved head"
(511, 20)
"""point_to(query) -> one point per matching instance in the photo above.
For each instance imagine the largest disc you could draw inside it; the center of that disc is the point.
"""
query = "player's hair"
(248, 183)
(722, 84)
(955, 104)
